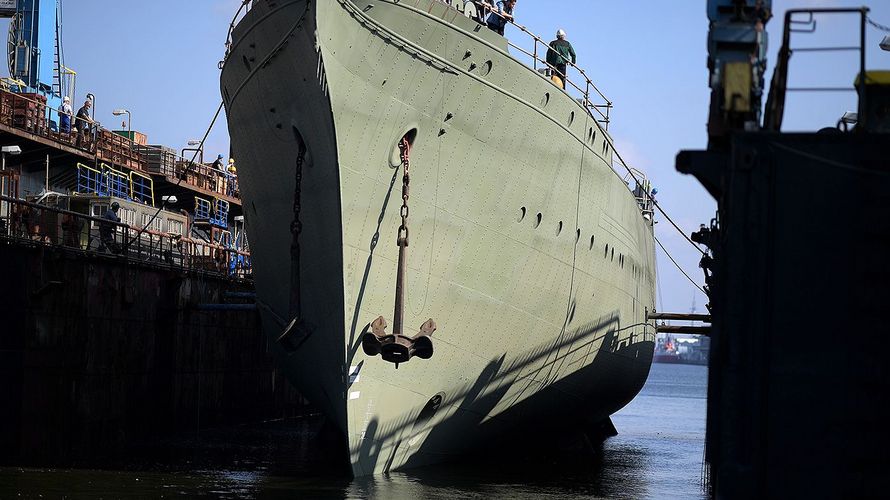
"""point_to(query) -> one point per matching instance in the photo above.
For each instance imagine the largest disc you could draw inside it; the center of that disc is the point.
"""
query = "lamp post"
(885, 43)
(119, 112)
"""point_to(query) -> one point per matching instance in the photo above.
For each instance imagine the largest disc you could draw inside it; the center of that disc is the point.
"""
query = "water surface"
(657, 454)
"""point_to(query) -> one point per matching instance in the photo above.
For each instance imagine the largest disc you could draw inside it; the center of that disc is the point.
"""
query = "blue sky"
(159, 60)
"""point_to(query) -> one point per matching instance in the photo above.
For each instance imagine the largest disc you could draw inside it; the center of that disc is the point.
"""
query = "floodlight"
(12, 150)
(169, 199)
(885, 44)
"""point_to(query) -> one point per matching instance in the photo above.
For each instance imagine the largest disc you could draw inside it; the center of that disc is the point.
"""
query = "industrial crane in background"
(34, 50)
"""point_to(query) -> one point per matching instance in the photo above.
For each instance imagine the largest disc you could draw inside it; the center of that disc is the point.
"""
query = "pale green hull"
(536, 321)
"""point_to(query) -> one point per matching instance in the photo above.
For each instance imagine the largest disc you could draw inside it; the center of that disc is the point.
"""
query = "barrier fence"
(26, 223)
(29, 113)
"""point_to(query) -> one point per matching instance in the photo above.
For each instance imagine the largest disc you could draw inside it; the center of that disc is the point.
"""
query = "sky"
(159, 59)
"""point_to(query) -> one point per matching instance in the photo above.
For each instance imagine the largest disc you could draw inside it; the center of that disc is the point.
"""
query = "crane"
(737, 43)
(34, 49)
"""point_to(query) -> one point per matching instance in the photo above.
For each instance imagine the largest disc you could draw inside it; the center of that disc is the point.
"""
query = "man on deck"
(502, 14)
(559, 55)
(84, 123)
(65, 113)
(107, 229)
(218, 164)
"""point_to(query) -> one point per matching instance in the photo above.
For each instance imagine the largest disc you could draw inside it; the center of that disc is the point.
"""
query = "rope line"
(680, 268)
(181, 177)
(649, 195)
(668, 217)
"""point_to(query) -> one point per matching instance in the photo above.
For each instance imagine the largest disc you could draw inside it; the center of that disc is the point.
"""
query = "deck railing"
(31, 224)
(26, 113)
(590, 95)
(29, 113)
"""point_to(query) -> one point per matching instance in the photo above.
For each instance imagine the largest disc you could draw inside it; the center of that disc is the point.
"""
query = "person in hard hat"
(232, 187)
(65, 114)
(559, 55)
(110, 220)
(502, 14)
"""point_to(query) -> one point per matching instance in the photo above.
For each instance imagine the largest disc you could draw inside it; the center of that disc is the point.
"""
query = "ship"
(666, 351)
(398, 161)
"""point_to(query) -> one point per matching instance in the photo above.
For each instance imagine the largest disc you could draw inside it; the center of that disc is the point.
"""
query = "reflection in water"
(657, 454)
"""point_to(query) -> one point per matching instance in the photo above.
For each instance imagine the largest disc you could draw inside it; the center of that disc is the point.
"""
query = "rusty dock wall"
(99, 353)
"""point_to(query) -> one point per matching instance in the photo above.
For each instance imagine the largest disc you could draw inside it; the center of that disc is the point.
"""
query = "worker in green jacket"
(559, 55)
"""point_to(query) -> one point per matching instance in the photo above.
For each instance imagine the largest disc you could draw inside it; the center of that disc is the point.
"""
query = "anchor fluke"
(398, 348)
(423, 344)
(371, 341)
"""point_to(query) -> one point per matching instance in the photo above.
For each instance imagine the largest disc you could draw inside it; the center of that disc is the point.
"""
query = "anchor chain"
(398, 348)
(297, 331)
(296, 228)
(402, 241)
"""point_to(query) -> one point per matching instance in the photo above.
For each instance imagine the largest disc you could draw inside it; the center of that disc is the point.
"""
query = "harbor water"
(657, 454)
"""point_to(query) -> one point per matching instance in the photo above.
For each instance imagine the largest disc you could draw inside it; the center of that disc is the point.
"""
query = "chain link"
(405, 151)
(296, 226)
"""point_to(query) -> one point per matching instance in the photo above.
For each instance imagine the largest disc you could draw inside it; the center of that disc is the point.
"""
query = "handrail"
(118, 182)
(93, 184)
(602, 109)
(775, 103)
(245, 7)
(33, 223)
(119, 148)
(147, 183)
(488, 9)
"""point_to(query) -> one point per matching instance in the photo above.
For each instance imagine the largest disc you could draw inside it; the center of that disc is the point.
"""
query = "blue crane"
(34, 49)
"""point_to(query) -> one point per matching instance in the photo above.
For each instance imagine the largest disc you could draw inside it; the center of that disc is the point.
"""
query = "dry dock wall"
(97, 353)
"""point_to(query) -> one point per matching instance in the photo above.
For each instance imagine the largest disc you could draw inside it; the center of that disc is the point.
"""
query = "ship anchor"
(398, 348)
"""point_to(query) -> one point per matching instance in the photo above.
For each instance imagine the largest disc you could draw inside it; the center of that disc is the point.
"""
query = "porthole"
(591, 242)
(559, 228)
(538, 220)
(521, 215)
(593, 136)
(486, 68)
(571, 118)
(577, 235)
(607, 251)
(589, 134)
(613, 254)
(545, 100)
